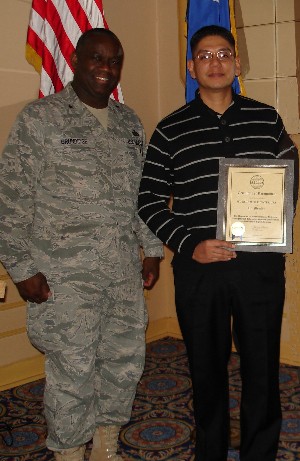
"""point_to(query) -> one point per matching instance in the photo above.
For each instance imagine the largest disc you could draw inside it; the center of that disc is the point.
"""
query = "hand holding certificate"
(255, 204)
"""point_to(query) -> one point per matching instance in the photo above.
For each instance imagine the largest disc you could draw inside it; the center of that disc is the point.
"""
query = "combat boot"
(105, 444)
(70, 454)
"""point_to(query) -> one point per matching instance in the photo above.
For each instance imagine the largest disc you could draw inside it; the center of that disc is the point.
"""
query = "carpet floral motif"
(162, 416)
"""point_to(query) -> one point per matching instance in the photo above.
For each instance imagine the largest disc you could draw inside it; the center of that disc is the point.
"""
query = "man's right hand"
(211, 251)
(35, 289)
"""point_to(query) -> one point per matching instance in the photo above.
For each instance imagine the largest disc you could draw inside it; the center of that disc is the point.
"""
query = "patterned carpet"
(162, 417)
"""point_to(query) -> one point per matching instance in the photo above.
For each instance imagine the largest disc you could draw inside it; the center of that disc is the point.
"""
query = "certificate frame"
(256, 196)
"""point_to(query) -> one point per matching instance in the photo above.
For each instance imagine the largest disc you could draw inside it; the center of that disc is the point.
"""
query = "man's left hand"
(150, 271)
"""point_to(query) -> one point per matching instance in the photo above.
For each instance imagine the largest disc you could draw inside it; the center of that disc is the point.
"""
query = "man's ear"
(190, 66)
(74, 59)
(237, 67)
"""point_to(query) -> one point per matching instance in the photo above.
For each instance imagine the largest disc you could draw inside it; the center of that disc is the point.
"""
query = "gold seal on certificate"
(255, 204)
(237, 231)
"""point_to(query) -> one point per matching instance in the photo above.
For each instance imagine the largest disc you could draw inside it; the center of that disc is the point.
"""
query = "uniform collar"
(75, 108)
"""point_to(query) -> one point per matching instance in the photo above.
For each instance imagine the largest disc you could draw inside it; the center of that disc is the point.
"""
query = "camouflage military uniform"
(68, 209)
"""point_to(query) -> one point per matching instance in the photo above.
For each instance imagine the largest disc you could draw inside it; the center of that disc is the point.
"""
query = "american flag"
(54, 29)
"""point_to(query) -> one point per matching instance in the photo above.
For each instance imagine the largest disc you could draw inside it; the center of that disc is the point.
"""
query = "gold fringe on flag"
(33, 58)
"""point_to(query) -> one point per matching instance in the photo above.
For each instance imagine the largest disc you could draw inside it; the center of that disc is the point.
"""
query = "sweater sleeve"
(151, 245)
(156, 190)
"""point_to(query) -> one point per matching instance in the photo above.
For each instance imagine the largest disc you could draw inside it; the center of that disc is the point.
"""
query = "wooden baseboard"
(161, 328)
(31, 369)
(22, 372)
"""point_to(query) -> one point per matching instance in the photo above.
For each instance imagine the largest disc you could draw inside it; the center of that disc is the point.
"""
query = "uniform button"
(227, 139)
(223, 121)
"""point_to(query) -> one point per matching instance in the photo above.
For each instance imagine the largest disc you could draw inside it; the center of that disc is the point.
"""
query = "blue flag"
(202, 13)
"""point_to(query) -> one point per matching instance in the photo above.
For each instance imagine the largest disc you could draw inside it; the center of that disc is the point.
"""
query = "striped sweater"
(182, 161)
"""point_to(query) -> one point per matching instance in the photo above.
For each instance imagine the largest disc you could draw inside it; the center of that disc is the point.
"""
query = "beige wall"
(150, 79)
(18, 80)
(269, 43)
(269, 46)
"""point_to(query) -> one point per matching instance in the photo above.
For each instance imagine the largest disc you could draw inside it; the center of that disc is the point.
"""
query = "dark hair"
(211, 30)
(96, 31)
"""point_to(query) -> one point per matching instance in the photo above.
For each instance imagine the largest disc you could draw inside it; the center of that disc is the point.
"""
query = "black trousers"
(206, 302)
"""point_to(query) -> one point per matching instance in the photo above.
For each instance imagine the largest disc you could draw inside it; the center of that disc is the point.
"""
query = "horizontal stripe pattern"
(54, 29)
(182, 162)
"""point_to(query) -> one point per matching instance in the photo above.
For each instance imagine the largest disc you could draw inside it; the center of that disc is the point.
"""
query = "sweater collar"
(199, 106)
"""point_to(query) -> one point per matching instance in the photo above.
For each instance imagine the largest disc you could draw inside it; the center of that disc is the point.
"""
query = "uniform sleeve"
(19, 170)
(156, 188)
(151, 245)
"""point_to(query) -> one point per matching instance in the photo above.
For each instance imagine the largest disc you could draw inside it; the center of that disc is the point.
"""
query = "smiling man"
(213, 282)
(97, 67)
(70, 238)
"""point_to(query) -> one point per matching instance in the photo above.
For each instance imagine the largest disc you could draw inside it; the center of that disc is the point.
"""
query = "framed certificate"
(255, 204)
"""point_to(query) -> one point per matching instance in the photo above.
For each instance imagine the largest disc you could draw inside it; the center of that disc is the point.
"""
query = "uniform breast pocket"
(126, 167)
(71, 175)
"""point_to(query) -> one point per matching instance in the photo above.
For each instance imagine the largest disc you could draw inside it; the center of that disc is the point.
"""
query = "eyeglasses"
(206, 56)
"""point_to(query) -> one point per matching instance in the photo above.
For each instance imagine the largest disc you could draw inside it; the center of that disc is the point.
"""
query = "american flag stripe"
(75, 28)
(61, 49)
(53, 31)
(54, 65)
(39, 7)
(95, 15)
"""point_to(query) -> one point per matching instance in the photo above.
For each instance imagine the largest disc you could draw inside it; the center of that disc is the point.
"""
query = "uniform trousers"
(93, 338)
(207, 301)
